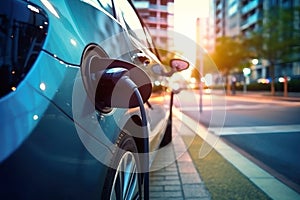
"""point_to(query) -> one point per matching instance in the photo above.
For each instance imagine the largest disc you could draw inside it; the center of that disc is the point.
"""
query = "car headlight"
(23, 29)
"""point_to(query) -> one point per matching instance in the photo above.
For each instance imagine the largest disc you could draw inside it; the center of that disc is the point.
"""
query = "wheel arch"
(133, 124)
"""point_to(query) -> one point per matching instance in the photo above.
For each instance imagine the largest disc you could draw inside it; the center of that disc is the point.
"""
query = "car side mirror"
(176, 64)
(179, 64)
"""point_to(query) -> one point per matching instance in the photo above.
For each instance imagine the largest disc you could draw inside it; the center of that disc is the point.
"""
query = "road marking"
(255, 129)
(263, 99)
(225, 107)
(256, 99)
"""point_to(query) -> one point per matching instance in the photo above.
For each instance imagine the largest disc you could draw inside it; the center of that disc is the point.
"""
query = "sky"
(185, 15)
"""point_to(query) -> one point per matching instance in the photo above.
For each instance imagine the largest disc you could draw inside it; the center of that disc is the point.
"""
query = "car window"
(134, 26)
(151, 43)
(108, 6)
(105, 5)
(131, 21)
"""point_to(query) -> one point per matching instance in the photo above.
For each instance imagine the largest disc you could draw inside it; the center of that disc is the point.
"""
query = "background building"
(240, 17)
(158, 15)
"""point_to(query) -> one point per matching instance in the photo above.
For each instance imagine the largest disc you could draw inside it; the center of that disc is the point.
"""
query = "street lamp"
(246, 72)
(254, 61)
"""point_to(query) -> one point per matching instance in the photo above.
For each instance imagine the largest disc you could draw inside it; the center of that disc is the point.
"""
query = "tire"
(167, 138)
(120, 183)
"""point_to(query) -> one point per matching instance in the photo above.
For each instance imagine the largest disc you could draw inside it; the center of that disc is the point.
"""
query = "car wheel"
(167, 139)
(123, 180)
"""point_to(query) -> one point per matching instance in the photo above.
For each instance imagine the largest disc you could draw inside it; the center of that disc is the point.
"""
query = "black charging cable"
(146, 144)
(120, 77)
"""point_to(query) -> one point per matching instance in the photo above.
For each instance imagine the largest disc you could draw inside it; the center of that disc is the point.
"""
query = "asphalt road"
(265, 130)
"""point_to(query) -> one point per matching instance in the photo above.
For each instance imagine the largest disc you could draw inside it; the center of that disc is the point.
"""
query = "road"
(265, 130)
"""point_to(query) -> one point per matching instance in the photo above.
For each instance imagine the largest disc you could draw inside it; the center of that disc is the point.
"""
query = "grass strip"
(221, 178)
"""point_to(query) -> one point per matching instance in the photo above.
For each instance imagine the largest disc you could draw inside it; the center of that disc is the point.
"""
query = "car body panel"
(53, 143)
(77, 33)
(51, 164)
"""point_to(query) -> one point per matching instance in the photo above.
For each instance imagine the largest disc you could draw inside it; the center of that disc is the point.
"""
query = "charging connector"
(117, 80)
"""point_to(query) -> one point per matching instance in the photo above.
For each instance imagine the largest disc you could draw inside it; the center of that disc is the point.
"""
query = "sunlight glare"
(185, 15)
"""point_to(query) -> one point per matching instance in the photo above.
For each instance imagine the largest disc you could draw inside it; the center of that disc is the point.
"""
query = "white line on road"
(233, 107)
(262, 100)
(214, 97)
(255, 129)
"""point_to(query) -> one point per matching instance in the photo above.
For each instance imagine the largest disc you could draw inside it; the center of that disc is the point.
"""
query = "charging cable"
(120, 77)
(146, 144)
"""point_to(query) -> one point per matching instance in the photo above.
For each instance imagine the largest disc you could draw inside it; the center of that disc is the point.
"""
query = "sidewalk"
(179, 179)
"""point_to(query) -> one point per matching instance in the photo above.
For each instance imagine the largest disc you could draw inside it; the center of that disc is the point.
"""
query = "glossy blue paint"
(52, 138)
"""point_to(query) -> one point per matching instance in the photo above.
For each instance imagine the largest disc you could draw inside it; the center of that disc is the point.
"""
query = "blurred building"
(211, 33)
(206, 34)
(158, 15)
(235, 17)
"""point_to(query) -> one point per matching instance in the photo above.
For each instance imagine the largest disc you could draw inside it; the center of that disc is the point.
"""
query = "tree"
(208, 66)
(277, 39)
(230, 53)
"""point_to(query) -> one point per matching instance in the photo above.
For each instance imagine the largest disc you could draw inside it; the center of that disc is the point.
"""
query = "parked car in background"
(71, 125)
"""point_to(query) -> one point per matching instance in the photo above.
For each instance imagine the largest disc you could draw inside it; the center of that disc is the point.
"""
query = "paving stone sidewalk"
(175, 176)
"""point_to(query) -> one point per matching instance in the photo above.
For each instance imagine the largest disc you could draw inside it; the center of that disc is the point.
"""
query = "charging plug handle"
(115, 89)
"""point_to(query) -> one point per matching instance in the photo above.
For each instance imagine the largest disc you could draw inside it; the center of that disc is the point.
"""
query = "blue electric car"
(76, 116)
